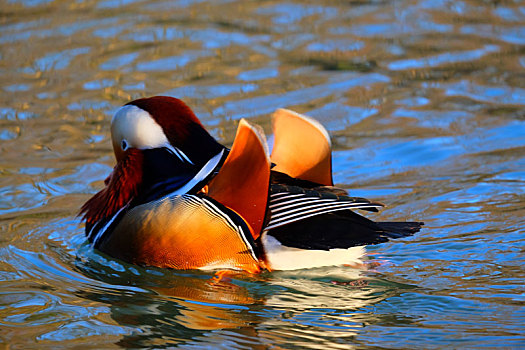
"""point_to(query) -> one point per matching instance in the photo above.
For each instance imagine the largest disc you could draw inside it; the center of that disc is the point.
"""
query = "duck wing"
(342, 229)
(302, 147)
(289, 204)
(242, 183)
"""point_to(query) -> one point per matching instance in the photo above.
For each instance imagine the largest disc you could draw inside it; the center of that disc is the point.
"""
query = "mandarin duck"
(179, 199)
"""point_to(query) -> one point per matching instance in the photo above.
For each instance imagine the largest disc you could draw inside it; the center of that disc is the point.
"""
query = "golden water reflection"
(424, 100)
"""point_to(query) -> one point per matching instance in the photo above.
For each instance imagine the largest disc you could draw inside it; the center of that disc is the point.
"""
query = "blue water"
(425, 103)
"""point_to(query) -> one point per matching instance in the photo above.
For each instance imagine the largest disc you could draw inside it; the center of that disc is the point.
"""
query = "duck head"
(162, 122)
(160, 146)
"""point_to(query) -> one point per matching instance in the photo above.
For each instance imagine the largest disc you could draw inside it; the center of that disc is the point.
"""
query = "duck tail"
(399, 229)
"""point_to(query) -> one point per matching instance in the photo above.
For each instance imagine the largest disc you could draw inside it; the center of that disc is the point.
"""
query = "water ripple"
(425, 103)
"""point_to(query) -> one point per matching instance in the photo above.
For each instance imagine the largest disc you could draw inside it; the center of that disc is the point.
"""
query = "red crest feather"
(121, 186)
(172, 114)
(181, 127)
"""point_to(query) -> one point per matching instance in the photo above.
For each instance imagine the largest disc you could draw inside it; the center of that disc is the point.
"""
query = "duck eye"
(124, 145)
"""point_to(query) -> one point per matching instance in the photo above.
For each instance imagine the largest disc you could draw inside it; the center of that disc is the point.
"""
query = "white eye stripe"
(137, 128)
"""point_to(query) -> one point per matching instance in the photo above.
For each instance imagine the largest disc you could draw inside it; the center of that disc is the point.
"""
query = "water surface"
(425, 101)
